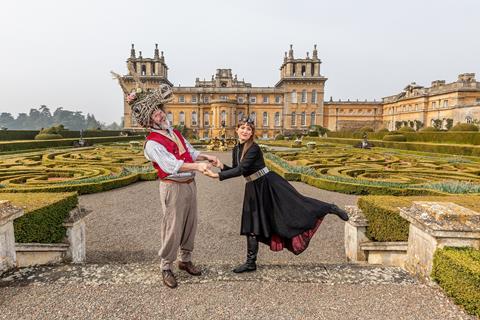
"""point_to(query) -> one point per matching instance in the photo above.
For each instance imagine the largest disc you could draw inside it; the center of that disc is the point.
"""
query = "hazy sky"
(60, 53)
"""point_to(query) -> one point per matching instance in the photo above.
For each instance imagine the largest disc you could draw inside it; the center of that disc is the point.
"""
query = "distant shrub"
(429, 129)
(406, 129)
(365, 129)
(48, 136)
(464, 127)
(279, 137)
(395, 137)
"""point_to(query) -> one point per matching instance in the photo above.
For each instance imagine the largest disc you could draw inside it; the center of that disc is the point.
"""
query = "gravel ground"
(122, 277)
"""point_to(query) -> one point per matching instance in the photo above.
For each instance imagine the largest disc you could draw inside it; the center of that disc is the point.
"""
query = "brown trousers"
(179, 222)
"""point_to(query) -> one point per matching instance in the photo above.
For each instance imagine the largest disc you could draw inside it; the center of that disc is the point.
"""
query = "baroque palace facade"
(296, 102)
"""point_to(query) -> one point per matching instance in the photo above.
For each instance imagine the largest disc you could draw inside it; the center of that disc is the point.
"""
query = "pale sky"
(60, 53)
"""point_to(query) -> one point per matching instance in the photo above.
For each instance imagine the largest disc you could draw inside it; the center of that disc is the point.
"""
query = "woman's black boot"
(252, 250)
(342, 214)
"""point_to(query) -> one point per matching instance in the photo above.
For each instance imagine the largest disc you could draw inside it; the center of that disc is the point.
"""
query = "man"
(175, 161)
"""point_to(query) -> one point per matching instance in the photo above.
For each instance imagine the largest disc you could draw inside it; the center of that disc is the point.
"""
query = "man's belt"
(256, 175)
(174, 181)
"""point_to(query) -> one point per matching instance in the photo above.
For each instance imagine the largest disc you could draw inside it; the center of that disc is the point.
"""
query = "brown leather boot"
(189, 267)
(169, 279)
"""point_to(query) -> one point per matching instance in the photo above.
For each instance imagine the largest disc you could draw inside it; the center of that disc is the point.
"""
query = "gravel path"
(122, 277)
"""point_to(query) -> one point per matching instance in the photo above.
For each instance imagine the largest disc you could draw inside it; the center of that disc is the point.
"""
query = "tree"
(6, 120)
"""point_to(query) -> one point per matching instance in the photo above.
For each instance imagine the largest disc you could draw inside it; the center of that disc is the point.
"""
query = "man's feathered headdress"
(144, 101)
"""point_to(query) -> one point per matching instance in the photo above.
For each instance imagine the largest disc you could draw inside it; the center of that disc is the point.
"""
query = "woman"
(273, 211)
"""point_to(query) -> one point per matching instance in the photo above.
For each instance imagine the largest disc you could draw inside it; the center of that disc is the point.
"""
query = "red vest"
(171, 147)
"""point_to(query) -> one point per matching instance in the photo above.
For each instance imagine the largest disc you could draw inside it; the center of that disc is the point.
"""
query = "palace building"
(296, 101)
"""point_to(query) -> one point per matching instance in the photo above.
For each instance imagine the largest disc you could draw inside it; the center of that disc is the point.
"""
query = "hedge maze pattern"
(85, 170)
(385, 168)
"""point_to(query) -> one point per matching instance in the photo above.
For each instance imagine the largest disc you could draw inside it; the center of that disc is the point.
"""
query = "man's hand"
(210, 158)
(218, 164)
(203, 167)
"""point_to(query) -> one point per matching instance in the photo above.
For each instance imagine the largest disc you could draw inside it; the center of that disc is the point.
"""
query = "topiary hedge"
(395, 137)
(44, 216)
(457, 271)
(383, 213)
(464, 150)
(48, 136)
(464, 127)
(34, 144)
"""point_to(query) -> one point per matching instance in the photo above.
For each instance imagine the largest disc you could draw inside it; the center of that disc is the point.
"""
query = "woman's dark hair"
(249, 122)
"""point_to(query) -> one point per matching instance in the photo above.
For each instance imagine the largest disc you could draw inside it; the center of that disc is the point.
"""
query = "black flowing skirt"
(279, 215)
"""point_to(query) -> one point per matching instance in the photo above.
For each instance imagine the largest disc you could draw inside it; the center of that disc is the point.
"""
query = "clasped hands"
(205, 167)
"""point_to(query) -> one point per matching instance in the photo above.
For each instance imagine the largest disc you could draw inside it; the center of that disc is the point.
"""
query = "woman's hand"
(210, 173)
(218, 164)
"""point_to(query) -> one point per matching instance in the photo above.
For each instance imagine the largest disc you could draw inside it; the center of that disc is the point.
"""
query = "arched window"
(144, 70)
(312, 118)
(294, 119)
(223, 118)
(303, 71)
(170, 117)
(240, 115)
(133, 120)
(294, 96)
(182, 118)
(304, 119)
(265, 119)
(206, 120)
(194, 118)
(314, 96)
(277, 119)
(304, 96)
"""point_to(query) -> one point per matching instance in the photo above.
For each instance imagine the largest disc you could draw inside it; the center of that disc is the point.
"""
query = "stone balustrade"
(436, 225)
(8, 213)
(433, 225)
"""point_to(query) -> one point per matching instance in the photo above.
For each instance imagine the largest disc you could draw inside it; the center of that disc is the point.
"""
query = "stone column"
(436, 225)
(8, 213)
(355, 234)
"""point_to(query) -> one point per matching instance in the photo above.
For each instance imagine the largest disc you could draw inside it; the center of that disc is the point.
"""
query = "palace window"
(181, 99)
(312, 118)
(144, 70)
(182, 118)
(294, 96)
(416, 107)
(445, 103)
(265, 99)
(223, 118)
(253, 99)
(304, 96)
(240, 115)
(253, 116)
(265, 119)
(294, 119)
(194, 99)
(194, 118)
(223, 98)
(278, 99)
(314, 96)
(304, 119)
(205, 99)
(206, 119)
(277, 119)
(303, 71)
(240, 99)
(434, 105)
(170, 117)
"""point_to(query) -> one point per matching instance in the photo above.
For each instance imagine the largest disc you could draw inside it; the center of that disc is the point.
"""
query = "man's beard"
(164, 125)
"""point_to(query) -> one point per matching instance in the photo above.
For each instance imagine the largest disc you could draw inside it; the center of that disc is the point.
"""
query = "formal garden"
(46, 181)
